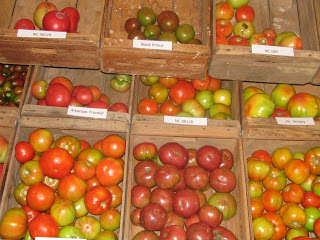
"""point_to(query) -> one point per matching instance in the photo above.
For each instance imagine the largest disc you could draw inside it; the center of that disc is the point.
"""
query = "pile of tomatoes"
(12, 80)
(284, 193)
(68, 188)
(243, 32)
(171, 188)
(185, 97)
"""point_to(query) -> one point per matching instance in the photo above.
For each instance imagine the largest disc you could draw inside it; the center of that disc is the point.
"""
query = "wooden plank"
(24, 9)
(6, 12)
(61, 4)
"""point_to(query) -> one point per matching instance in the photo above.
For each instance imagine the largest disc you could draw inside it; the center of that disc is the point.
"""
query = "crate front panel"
(77, 50)
(238, 63)
(242, 231)
(118, 55)
(84, 77)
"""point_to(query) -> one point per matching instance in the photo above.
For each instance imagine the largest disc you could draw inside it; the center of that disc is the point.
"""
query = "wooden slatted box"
(239, 63)
(268, 128)
(79, 50)
(184, 60)
(84, 77)
(89, 130)
(138, 135)
(223, 128)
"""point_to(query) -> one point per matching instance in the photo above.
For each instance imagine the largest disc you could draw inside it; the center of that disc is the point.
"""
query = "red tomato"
(257, 207)
(294, 217)
(280, 112)
(224, 27)
(69, 143)
(293, 193)
(84, 95)
(311, 200)
(270, 33)
(280, 229)
(238, 40)
(148, 106)
(221, 40)
(84, 169)
(224, 10)
(297, 171)
(40, 197)
(56, 21)
(182, 91)
(169, 108)
(201, 85)
(97, 200)
(272, 200)
(41, 140)
(173, 232)
(84, 144)
(24, 151)
(316, 227)
(262, 155)
(116, 193)
(57, 95)
(153, 217)
(72, 187)
(64, 81)
(92, 183)
(215, 84)
(56, 162)
(312, 157)
(113, 146)
(109, 172)
(245, 13)
(119, 107)
(185, 203)
(43, 225)
(30, 212)
(24, 23)
(260, 39)
(291, 41)
(13, 224)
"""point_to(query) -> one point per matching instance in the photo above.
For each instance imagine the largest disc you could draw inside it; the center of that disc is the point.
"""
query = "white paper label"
(40, 34)
(149, 44)
(87, 112)
(295, 121)
(272, 50)
(186, 120)
(50, 238)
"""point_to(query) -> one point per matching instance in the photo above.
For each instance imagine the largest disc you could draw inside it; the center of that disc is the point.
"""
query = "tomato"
(297, 233)
(199, 231)
(269, 32)
(275, 180)
(84, 169)
(224, 28)
(303, 105)
(222, 179)
(173, 232)
(116, 193)
(201, 85)
(244, 29)
(109, 172)
(280, 157)
(293, 193)
(110, 219)
(113, 146)
(297, 170)
(174, 154)
(97, 200)
(153, 217)
(43, 225)
(272, 200)
(63, 211)
(221, 40)
(145, 151)
(146, 235)
(167, 176)
(163, 197)
(257, 170)
(56, 21)
(260, 39)
(182, 91)
(64, 81)
(41, 140)
(89, 226)
(51, 182)
(24, 151)
(31, 173)
(57, 95)
(259, 105)
(185, 203)
(119, 107)
(158, 92)
(84, 95)
(135, 217)
(69, 143)
(294, 217)
(312, 157)
(312, 214)
(20, 193)
(223, 233)
(245, 13)
(13, 224)
(93, 155)
(148, 106)
(84, 144)
(224, 10)
(24, 23)
(262, 228)
(225, 202)
(291, 41)
(40, 197)
(280, 229)
(262, 155)
(144, 173)
(316, 227)
(255, 189)
(280, 112)
(72, 187)
(196, 177)
(257, 207)
(311, 200)
(30, 212)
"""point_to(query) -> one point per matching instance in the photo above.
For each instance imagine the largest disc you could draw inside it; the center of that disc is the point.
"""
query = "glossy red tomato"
(97, 200)
(41, 140)
(72, 187)
(238, 40)
(144, 173)
(245, 13)
(222, 179)
(24, 151)
(56, 21)
(24, 23)
(43, 225)
(173, 232)
(196, 177)
(153, 217)
(224, 28)
(210, 215)
(56, 162)
(182, 91)
(13, 224)
(185, 203)
(64, 81)
(148, 106)
(140, 196)
(30, 212)
(311, 200)
(312, 157)
(272, 200)
(84, 169)
(40, 197)
(201, 85)
(69, 143)
(163, 197)
(200, 231)
(293, 193)
(224, 10)
(109, 172)
(84, 95)
(169, 108)
(257, 207)
(222, 232)
(297, 171)
(57, 95)
(113, 146)
(84, 144)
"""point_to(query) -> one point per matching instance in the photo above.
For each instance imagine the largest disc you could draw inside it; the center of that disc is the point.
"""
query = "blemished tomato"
(97, 200)
(51, 182)
(13, 224)
(238, 41)
(257, 207)
(113, 146)
(148, 106)
(109, 172)
(260, 39)
(272, 200)
(41, 140)
(43, 225)
(201, 85)
(40, 197)
(245, 13)
(24, 151)
(224, 28)
(293, 193)
(297, 170)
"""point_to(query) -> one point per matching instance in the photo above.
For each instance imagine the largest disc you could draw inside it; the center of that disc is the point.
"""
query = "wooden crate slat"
(6, 11)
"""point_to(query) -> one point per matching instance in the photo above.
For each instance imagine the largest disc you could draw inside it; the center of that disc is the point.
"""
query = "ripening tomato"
(280, 229)
(272, 200)
(182, 91)
(97, 200)
(148, 106)
(13, 224)
(291, 41)
(276, 180)
(294, 217)
(24, 151)
(169, 108)
(109, 172)
(262, 155)
(297, 170)
(116, 193)
(293, 193)
(257, 207)
(201, 85)
(221, 40)
(72, 187)
(258, 170)
(41, 140)
(280, 157)
(312, 157)
(69, 143)
(224, 10)
(43, 225)
(224, 28)
(84, 169)
(113, 146)
(245, 13)
(238, 41)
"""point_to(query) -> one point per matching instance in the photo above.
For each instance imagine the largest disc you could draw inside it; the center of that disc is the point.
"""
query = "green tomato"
(238, 3)
(219, 108)
(303, 105)
(149, 80)
(222, 95)
(146, 16)
(249, 91)
(185, 32)
(259, 105)
(70, 232)
(168, 36)
(312, 215)
(281, 94)
(205, 98)
(244, 29)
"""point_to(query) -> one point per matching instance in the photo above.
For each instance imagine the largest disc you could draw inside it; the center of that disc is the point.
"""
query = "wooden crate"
(90, 130)
(242, 231)
(222, 128)
(239, 63)
(13, 111)
(251, 145)
(7, 130)
(79, 50)
(84, 77)
(268, 128)
(118, 55)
